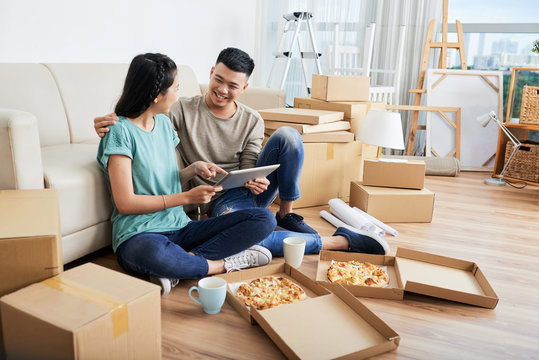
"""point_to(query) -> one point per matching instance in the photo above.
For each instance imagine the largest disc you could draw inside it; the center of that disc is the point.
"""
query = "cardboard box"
(311, 288)
(323, 137)
(393, 204)
(353, 111)
(302, 116)
(328, 169)
(340, 88)
(88, 312)
(308, 129)
(407, 175)
(307, 329)
(417, 272)
(30, 237)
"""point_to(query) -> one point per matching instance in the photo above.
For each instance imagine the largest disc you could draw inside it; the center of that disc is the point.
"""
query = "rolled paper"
(340, 209)
(335, 221)
(377, 222)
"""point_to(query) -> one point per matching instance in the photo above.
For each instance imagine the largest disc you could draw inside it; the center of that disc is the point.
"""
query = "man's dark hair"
(236, 60)
(148, 76)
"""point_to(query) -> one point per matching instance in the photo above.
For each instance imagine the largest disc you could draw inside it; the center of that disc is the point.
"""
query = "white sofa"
(47, 138)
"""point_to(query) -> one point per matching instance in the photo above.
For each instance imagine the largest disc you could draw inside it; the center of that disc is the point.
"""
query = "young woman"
(152, 235)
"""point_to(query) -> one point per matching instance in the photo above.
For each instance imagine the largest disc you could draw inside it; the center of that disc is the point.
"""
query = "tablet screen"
(237, 178)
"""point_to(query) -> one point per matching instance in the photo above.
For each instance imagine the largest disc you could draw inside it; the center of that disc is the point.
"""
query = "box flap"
(320, 328)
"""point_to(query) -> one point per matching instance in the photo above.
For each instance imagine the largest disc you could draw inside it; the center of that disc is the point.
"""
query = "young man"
(214, 127)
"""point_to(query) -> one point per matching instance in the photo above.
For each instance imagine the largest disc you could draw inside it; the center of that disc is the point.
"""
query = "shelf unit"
(521, 131)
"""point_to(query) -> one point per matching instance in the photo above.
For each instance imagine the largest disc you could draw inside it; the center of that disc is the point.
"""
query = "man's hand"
(101, 123)
(258, 185)
(202, 194)
(207, 170)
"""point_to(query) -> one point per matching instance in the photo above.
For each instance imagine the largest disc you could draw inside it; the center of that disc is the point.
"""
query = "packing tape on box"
(117, 308)
(330, 151)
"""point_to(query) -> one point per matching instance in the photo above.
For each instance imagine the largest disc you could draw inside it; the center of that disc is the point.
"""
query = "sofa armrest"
(258, 98)
(20, 151)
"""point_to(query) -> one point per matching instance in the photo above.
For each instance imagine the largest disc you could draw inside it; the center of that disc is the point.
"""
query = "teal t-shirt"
(154, 171)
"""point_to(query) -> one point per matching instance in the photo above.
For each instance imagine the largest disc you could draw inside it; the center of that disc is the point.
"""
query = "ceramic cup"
(294, 248)
(211, 292)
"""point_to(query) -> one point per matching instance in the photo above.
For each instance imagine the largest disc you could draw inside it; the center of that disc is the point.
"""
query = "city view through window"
(498, 35)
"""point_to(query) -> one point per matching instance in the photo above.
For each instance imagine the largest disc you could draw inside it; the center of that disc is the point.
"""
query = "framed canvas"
(475, 93)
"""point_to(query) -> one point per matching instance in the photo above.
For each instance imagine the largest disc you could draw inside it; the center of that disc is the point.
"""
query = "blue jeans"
(284, 147)
(166, 254)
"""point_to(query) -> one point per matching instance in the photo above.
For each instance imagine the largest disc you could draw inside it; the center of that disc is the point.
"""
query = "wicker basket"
(525, 163)
(529, 109)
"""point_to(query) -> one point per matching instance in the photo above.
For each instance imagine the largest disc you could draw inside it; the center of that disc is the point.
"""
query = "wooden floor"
(498, 228)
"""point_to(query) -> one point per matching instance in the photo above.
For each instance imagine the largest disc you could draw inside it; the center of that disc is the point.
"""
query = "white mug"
(211, 292)
(293, 248)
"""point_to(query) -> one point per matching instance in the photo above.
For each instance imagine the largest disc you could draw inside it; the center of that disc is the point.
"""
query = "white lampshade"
(382, 128)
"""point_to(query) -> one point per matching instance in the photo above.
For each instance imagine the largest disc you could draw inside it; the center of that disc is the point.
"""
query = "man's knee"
(289, 136)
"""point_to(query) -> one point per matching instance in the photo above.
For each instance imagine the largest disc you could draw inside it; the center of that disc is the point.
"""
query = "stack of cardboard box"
(393, 191)
(329, 164)
(313, 125)
(88, 312)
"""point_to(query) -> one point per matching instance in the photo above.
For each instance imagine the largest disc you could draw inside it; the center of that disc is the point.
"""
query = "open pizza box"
(417, 272)
(325, 325)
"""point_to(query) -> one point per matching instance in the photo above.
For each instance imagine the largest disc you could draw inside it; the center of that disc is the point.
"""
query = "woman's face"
(164, 102)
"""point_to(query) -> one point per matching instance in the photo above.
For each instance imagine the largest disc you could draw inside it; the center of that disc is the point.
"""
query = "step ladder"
(294, 22)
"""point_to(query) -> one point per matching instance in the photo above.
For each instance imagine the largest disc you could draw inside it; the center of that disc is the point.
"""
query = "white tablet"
(236, 178)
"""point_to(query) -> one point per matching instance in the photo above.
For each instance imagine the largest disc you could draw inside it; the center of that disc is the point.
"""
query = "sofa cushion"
(82, 191)
(31, 88)
(188, 81)
(88, 90)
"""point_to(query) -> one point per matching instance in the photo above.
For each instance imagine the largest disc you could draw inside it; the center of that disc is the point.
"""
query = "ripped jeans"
(284, 147)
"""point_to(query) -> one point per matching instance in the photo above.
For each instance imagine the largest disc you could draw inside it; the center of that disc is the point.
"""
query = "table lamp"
(382, 129)
(484, 121)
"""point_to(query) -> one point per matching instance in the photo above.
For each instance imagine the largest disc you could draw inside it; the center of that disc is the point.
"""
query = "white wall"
(191, 32)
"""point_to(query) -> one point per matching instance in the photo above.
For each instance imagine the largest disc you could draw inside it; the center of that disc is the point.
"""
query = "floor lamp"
(484, 121)
(382, 129)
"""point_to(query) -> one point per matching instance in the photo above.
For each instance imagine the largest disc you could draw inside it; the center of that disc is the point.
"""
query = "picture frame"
(519, 78)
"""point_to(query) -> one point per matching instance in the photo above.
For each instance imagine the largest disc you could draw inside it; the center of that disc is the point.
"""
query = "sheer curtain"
(353, 16)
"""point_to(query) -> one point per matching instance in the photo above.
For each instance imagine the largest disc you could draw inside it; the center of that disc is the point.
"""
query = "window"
(497, 39)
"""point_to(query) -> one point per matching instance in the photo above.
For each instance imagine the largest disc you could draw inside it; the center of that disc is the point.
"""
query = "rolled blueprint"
(377, 222)
(344, 212)
(338, 223)
(335, 221)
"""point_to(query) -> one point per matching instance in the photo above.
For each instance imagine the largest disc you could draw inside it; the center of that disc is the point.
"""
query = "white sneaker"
(166, 284)
(256, 255)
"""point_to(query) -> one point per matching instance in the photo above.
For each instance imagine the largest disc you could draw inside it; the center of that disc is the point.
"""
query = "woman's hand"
(258, 185)
(201, 194)
(207, 170)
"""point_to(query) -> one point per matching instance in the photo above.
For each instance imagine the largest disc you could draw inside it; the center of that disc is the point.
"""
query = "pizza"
(357, 273)
(270, 291)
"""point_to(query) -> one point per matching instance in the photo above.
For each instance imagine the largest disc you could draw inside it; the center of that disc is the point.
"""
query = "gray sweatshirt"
(232, 143)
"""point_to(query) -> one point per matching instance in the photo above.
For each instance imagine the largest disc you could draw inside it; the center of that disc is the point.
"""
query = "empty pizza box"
(417, 272)
(306, 329)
